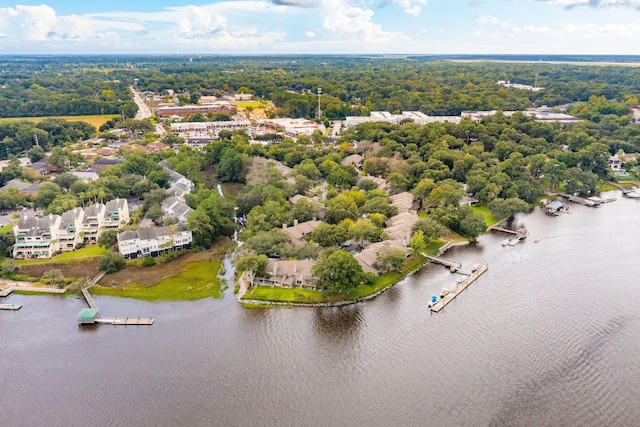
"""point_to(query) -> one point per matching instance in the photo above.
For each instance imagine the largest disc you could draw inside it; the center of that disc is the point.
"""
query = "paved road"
(144, 112)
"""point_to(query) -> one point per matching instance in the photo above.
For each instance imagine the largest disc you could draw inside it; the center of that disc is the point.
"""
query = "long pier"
(442, 302)
(95, 316)
(10, 306)
(578, 199)
(452, 265)
(520, 235)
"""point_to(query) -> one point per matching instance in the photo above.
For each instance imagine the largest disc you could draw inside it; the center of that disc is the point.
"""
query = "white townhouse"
(153, 241)
(116, 214)
(69, 231)
(36, 237)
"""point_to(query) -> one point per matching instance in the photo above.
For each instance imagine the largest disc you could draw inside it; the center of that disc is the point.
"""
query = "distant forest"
(44, 86)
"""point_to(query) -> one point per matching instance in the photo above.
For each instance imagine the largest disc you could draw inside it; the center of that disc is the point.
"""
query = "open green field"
(79, 255)
(250, 104)
(95, 120)
(489, 219)
(197, 280)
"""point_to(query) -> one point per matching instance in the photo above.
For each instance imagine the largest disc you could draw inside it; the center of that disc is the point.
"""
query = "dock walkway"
(127, 321)
(520, 235)
(10, 306)
(461, 287)
(452, 265)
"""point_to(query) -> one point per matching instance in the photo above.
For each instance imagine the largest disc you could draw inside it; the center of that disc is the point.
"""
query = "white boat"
(633, 195)
(505, 242)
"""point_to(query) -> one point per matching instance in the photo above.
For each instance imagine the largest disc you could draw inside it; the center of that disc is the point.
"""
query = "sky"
(320, 27)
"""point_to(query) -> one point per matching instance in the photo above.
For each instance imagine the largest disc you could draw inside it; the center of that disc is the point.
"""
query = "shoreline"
(272, 304)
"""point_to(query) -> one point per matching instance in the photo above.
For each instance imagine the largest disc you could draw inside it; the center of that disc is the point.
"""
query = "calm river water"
(550, 335)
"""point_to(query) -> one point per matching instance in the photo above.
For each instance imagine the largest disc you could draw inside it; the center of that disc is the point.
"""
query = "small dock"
(452, 265)
(579, 200)
(127, 321)
(10, 306)
(442, 302)
(519, 234)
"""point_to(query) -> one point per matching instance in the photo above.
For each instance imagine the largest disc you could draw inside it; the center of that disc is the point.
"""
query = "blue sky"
(320, 26)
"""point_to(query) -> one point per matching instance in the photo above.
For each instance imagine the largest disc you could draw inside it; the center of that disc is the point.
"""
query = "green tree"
(337, 272)
(108, 239)
(112, 262)
(254, 265)
(506, 208)
(431, 229)
(418, 243)
(65, 180)
(389, 259)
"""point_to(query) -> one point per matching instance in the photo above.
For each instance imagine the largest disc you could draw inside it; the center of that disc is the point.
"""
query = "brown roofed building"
(287, 274)
(299, 231)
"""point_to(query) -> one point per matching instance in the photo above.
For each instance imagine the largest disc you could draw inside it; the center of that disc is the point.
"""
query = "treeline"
(18, 137)
(61, 87)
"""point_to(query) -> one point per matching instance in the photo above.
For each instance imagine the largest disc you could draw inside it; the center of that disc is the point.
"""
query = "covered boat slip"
(88, 315)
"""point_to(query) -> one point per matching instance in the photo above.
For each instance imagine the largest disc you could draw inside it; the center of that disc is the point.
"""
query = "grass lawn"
(296, 295)
(79, 255)
(95, 120)
(7, 227)
(489, 219)
(197, 280)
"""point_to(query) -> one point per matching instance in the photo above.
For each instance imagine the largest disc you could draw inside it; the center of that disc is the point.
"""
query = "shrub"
(148, 262)
(54, 275)
(112, 263)
(9, 266)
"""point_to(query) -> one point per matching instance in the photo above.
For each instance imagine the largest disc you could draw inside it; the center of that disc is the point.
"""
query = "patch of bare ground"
(149, 276)
(86, 269)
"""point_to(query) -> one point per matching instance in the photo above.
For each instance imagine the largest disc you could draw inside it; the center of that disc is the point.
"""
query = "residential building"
(116, 213)
(399, 227)
(153, 241)
(287, 274)
(300, 230)
(368, 258)
(101, 164)
(36, 237)
(403, 201)
(17, 184)
(93, 222)
(69, 235)
(174, 207)
(41, 167)
(416, 117)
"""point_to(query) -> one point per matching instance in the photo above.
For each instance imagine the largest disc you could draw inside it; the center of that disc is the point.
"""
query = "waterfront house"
(403, 201)
(399, 227)
(368, 258)
(287, 274)
(36, 237)
(153, 241)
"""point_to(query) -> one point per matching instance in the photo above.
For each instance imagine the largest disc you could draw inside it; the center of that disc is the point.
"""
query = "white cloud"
(530, 29)
(596, 3)
(310, 34)
(33, 23)
(200, 22)
(42, 24)
(345, 20)
(589, 30)
(411, 7)
(484, 20)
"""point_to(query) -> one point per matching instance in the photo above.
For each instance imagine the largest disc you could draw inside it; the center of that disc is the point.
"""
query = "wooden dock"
(452, 265)
(579, 200)
(442, 302)
(126, 321)
(520, 235)
(10, 306)
(88, 297)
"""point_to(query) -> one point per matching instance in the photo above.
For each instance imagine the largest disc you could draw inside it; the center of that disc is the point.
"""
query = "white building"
(416, 117)
(69, 231)
(117, 213)
(36, 237)
(153, 241)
